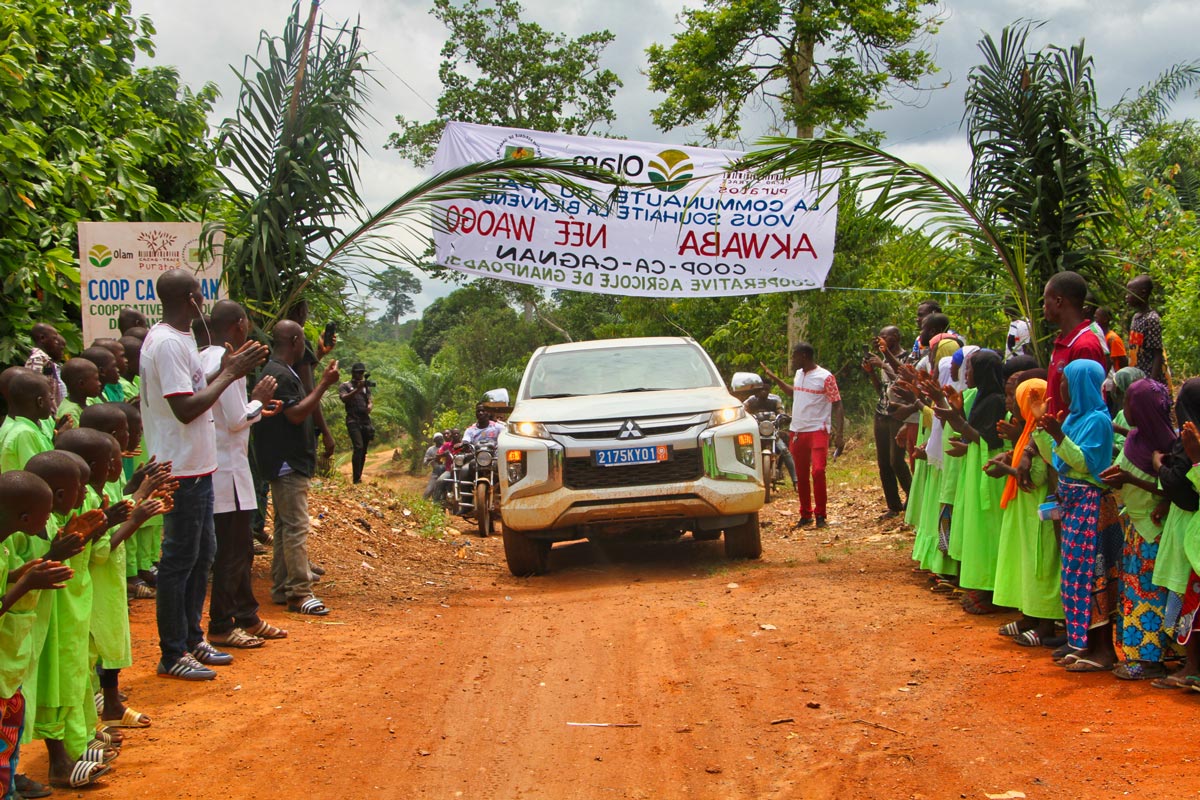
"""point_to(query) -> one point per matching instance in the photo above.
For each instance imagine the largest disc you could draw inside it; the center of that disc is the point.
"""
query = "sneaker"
(187, 668)
(804, 521)
(821, 523)
(205, 653)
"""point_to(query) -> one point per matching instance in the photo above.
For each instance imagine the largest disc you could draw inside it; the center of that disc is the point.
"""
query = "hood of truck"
(622, 406)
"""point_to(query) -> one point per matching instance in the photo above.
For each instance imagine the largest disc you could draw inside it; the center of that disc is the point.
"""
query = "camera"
(366, 381)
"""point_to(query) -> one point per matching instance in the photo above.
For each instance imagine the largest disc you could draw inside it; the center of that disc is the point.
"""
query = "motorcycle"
(773, 434)
(474, 489)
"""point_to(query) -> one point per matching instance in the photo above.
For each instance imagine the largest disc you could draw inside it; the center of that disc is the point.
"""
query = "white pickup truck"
(626, 437)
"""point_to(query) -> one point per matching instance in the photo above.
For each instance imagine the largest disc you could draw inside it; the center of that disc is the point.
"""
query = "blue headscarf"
(1088, 424)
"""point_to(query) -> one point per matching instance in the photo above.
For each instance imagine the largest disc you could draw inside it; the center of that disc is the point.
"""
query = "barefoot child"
(29, 402)
(64, 688)
(25, 506)
(83, 388)
(1090, 553)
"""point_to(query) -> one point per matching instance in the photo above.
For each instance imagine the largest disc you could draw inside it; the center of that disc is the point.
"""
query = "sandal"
(1140, 671)
(1011, 629)
(309, 606)
(943, 587)
(130, 719)
(29, 788)
(1086, 665)
(100, 755)
(265, 630)
(142, 591)
(1029, 638)
(236, 638)
(84, 773)
(108, 736)
(1169, 682)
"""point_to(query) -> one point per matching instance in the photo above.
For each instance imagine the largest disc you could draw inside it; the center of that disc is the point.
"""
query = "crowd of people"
(1066, 492)
(126, 474)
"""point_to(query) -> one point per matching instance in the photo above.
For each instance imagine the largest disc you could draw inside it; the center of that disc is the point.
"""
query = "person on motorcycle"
(485, 430)
(763, 401)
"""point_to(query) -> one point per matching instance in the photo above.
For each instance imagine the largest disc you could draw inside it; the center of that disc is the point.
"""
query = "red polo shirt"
(1081, 342)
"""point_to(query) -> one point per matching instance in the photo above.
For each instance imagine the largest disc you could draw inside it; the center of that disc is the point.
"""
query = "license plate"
(624, 456)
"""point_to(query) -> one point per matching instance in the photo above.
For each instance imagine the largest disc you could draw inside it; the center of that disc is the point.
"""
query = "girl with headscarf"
(925, 545)
(1082, 451)
(975, 528)
(1028, 569)
(1180, 482)
(1144, 642)
(1117, 385)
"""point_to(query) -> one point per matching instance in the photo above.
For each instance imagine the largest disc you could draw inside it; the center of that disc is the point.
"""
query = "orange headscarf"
(1031, 400)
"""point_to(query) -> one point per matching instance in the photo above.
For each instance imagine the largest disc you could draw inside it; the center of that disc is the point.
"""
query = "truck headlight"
(532, 430)
(723, 416)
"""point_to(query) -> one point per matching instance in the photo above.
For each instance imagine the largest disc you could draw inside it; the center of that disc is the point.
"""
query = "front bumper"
(562, 494)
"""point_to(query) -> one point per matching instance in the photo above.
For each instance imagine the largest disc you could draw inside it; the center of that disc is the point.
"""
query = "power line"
(909, 291)
(409, 86)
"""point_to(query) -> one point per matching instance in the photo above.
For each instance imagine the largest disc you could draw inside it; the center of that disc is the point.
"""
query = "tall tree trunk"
(800, 60)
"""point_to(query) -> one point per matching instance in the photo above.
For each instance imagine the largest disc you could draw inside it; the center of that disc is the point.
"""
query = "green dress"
(977, 519)
(954, 467)
(16, 625)
(1172, 568)
(38, 547)
(22, 440)
(110, 605)
(912, 511)
(1191, 538)
(1028, 565)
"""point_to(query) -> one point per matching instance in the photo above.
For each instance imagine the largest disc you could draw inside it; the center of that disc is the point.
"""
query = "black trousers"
(892, 460)
(232, 604)
(361, 434)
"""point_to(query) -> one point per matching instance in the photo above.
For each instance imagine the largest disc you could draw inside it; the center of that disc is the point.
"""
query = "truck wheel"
(768, 477)
(744, 541)
(483, 509)
(524, 554)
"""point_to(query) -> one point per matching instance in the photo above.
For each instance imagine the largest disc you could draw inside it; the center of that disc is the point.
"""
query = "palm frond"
(1151, 106)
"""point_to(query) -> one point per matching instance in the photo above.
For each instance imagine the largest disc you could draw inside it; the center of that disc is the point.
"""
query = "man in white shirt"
(816, 413)
(485, 430)
(178, 427)
(233, 619)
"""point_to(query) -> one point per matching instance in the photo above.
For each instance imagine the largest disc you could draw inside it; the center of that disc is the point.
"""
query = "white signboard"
(119, 263)
(693, 229)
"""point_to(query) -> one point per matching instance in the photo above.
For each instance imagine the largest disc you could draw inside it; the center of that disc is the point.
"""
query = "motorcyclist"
(485, 430)
(763, 401)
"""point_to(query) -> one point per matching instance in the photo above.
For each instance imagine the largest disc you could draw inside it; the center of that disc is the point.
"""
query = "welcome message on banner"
(694, 229)
(119, 264)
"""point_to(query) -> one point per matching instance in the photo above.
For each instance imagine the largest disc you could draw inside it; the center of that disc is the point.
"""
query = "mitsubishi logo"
(630, 430)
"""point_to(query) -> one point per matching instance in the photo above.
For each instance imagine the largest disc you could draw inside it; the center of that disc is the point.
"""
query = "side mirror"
(496, 397)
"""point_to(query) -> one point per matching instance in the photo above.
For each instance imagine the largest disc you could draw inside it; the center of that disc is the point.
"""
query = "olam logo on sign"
(670, 170)
(100, 256)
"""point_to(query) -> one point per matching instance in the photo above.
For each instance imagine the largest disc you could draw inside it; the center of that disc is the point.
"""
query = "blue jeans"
(188, 546)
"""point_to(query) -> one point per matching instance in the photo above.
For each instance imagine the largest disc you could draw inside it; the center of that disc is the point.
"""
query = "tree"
(395, 286)
(528, 77)
(86, 136)
(811, 63)
(294, 143)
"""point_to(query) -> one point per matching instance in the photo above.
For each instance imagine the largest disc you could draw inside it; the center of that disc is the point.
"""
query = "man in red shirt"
(1062, 306)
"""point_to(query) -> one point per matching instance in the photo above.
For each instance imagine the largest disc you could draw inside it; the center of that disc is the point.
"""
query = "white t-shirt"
(233, 488)
(813, 395)
(1018, 338)
(171, 367)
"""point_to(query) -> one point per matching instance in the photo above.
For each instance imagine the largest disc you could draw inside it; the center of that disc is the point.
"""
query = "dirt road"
(824, 671)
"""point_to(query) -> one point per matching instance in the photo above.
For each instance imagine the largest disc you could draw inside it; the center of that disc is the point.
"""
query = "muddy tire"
(483, 509)
(745, 540)
(525, 555)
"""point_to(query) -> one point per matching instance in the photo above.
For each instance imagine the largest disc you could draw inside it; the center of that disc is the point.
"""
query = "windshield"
(620, 369)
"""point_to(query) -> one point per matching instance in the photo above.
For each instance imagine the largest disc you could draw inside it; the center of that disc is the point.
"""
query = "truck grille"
(581, 473)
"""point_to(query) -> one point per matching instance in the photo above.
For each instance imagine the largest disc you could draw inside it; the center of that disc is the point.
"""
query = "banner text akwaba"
(690, 228)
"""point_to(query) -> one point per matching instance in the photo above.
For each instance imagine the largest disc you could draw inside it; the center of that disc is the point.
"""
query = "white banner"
(693, 230)
(119, 263)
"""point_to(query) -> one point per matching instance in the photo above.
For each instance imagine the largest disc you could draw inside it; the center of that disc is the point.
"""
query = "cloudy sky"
(1131, 43)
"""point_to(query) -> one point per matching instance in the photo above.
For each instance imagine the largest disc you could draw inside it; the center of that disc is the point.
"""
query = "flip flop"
(1086, 665)
(84, 773)
(1010, 629)
(1139, 671)
(1170, 682)
(29, 788)
(130, 719)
